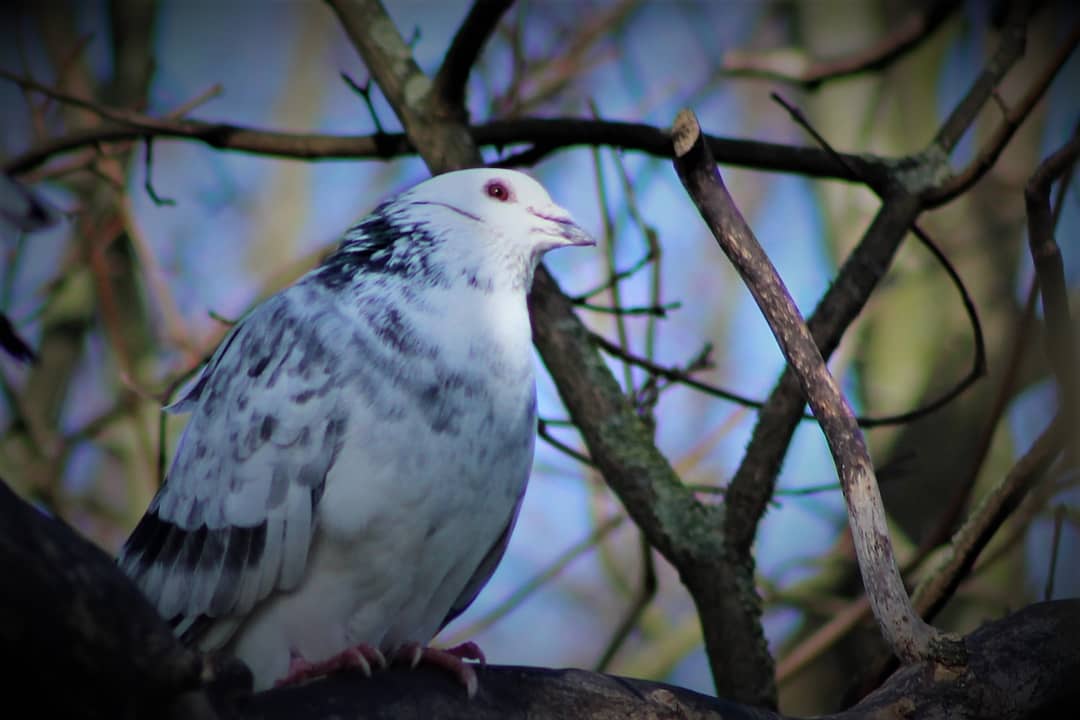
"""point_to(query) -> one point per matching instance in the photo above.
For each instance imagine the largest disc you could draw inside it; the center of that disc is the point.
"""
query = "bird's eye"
(498, 190)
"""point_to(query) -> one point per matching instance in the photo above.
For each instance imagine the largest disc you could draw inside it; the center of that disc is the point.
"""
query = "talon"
(410, 654)
(360, 657)
(452, 660)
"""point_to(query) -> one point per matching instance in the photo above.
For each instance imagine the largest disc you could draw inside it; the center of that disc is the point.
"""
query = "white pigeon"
(359, 444)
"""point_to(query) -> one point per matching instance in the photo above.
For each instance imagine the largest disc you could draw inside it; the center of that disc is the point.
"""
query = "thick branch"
(109, 655)
(468, 42)
(683, 530)
(70, 614)
(909, 637)
(433, 127)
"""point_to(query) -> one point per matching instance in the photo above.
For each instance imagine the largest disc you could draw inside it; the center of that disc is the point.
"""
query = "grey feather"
(216, 559)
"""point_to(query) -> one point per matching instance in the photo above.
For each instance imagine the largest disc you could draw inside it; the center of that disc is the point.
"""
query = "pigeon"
(359, 444)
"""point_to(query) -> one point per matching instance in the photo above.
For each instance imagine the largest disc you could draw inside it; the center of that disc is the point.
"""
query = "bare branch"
(470, 39)
(966, 544)
(1013, 41)
(753, 482)
(442, 141)
(1046, 256)
(995, 145)
(905, 37)
(909, 637)
(550, 133)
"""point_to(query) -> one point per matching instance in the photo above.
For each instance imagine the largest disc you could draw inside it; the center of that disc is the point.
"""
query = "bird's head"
(487, 226)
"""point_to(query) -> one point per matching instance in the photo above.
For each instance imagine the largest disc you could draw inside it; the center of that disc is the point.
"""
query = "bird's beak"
(559, 228)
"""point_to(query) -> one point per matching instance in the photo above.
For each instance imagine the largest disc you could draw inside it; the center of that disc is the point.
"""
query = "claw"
(410, 654)
(361, 657)
(452, 660)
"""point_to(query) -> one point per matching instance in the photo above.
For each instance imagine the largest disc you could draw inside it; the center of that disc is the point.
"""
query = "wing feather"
(235, 519)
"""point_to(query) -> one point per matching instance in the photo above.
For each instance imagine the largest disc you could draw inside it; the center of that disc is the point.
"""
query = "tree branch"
(465, 49)
(1011, 47)
(83, 619)
(1049, 268)
(1014, 117)
(909, 637)
(907, 35)
(432, 126)
(752, 485)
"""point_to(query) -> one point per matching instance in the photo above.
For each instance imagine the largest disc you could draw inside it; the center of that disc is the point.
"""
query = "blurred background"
(131, 291)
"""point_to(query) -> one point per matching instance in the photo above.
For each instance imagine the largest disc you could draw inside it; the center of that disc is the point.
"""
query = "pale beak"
(559, 228)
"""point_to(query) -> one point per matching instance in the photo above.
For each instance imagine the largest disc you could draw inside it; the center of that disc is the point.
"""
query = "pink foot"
(451, 660)
(362, 657)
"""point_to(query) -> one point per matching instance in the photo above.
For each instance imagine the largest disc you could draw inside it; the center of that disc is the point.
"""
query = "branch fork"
(910, 638)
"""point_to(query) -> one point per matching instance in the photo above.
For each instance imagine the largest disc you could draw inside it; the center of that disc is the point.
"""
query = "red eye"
(498, 190)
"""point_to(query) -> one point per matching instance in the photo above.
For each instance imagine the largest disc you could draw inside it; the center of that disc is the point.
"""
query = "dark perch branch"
(72, 618)
(465, 49)
(909, 637)
(90, 647)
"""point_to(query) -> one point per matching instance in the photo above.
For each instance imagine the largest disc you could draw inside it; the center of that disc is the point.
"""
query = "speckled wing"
(235, 519)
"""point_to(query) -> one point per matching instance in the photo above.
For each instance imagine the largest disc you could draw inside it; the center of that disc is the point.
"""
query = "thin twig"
(907, 35)
(546, 436)
(364, 91)
(1055, 543)
(654, 311)
(995, 145)
(148, 183)
(642, 599)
